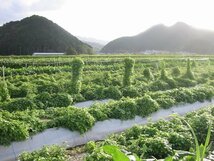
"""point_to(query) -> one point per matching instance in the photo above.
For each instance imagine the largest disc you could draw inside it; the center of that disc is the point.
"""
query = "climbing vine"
(129, 67)
(189, 74)
(4, 93)
(77, 68)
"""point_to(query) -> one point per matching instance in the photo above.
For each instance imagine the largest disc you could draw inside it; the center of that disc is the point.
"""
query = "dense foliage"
(12, 130)
(36, 92)
(72, 118)
(4, 93)
(129, 65)
(159, 140)
(48, 153)
(77, 67)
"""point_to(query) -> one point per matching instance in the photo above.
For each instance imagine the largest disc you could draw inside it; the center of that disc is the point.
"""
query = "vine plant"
(129, 67)
(77, 68)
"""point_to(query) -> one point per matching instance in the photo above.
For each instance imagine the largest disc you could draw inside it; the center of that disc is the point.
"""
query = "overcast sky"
(110, 19)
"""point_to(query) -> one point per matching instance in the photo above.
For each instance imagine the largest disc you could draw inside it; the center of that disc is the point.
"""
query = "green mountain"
(38, 34)
(177, 38)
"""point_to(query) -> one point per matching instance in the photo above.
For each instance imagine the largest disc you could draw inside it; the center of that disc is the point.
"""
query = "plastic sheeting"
(99, 131)
(87, 104)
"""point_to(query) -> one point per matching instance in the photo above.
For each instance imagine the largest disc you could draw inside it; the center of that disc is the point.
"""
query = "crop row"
(20, 62)
(18, 125)
(160, 140)
(154, 140)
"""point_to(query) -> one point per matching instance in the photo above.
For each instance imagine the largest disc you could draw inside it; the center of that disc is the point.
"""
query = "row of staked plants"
(103, 86)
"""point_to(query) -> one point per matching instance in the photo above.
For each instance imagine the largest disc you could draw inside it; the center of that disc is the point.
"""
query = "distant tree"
(89, 51)
(71, 51)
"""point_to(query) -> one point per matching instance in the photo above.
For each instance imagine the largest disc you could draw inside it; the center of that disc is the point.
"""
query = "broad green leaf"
(115, 152)
(207, 141)
(197, 153)
(170, 158)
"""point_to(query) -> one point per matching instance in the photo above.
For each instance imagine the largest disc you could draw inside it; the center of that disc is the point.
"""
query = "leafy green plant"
(189, 74)
(129, 66)
(146, 105)
(115, 152)
(12, 130)
(99, 155)
(201, 122)
(112, 92)
(77, 68)
(159, 85)
(47, 153)
(185, 82)
(200, 150)
(166, 79)
(176, 71)
(110, 153)
(159, 140)
(165, 102)
(90, 146)
(123, 109)
(130, 91)
(45, 100)
(179, 141)
(4, 92)
(148, 74)
(61, 100)
(49, 88)
(99, 112)
(20, 104)
(194, 64)
(73, 119)
(147, 147)
(163, 75)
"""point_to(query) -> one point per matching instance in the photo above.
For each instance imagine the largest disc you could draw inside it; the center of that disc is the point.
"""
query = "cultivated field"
(37, 93)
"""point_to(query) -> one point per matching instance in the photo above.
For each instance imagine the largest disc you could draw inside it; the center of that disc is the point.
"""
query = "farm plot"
(37, 94)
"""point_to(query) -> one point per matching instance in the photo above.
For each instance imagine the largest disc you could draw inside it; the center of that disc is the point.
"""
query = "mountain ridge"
(179, 37)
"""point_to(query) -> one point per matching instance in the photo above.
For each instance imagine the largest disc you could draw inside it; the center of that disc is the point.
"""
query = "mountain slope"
(179, 37)
(38, 34)
(96, 46)
(95, 43)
